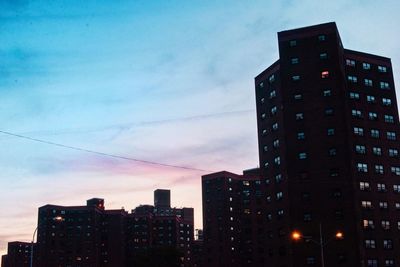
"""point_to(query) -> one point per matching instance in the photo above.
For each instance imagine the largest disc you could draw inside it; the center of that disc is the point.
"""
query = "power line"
(101, 153)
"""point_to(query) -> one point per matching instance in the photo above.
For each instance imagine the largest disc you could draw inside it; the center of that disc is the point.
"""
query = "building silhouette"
(19, 254)
(329, 162)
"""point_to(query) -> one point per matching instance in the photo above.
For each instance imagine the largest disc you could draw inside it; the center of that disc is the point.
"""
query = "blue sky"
(166, 81)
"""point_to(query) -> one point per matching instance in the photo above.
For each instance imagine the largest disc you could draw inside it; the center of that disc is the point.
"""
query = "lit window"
(377, 151)
(372, 263)
(385, 225)
(262, 100)
(366, 66)
(271, 78)
(279, 196)
(278, 178)
(332, 152)
(368, 82)
(395, 170)
(371, 99)
(378, 169)
(299, 116)
(310, 260)
(296, 78)
(370, 243)
(325, 74)
(366, 204)
(298, 96)
(294, 60)
(386, 102)
(293, 43)
(302, 155)
(384, 85)
(275, 144)
(275, 126)
(362, 167)
(321, 37)
(389, 118)
(354, 95)
(274, 110)
(364, 186)
(329, 111)
(307, 217)
(374, 133)
(350, 62)
(264, 132)
(327, 92)
(301, 136)
(372, 116)
(277, 161)
(391, 135)
(263, 116)
(358, 131)
(356, 113)
(265, 148)
(382, 69)
(387, 244)
(393, 153)
(330, 131)
(246, 183)
(352, 79)
(397, 205)
(360, 149)
(323, 55)
(383, 205)
(368, 224)
(272, 94)
(389, 263)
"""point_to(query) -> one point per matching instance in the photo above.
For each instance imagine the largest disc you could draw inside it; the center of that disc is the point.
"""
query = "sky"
(162, 81)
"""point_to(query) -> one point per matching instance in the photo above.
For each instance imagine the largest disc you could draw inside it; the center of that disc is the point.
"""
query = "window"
(332, 152)
(377, 151)
(383, 205)
(396, 188)
(397, 205)
(306, 217)
(329, 111)
(263, 116)
(321, 37)
(368, 224)
(387, 244)
(368, 82)
(323, 55)
(371, 99)
(352, 79)
(391, 136)
(324, 74)
(296, 78)
(356, 113)
(262, 100)
(302, 155)
(358, 131)
(299, 116)
(385, 225)
(382, 69)
(373, 116)
(327, 92)
(330, 131)
(374, 133)
(294, 60)
(381, 187)
(350, 62)
(271, 78)
(292, 43)
(364, 186)
(384, 85)
(275, 126)
(272, 94)
(366, 66)
(386, 102)
(393, 153)
(274, 110)
(275, 144)
(266, 165)
(265, 148)
(372, 263)
(389, 263)
(277, 160)
(395, 170)
(298, 96)
(301, 136)
(354, 95)
(389, 118)
(360, 149)
(379, 169)
(310, 260)
(362, 167)
(279, 196)
(278, 178)
(370, 243)
(264, 132)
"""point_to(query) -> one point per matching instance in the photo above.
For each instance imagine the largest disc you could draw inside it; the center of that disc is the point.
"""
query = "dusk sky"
(161, 81)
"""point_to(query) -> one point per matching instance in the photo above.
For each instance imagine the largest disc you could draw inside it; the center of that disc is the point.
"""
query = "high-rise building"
(18, 255)
(329, 157)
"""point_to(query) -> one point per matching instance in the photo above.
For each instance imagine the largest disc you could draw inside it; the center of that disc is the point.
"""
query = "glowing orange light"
(58, 218)
(296, 235)
(339, 235)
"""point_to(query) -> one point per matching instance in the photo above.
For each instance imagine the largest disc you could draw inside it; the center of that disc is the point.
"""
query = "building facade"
(18, 255)
(328, 126)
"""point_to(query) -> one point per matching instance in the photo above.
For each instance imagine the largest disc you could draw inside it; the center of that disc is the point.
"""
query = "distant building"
(18, 255)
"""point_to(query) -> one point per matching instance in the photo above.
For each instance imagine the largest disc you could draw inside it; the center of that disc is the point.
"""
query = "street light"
(57, 219)
(297, 235)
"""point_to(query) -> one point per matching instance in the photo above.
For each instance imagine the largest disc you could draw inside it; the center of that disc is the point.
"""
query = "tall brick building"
(329, 157)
